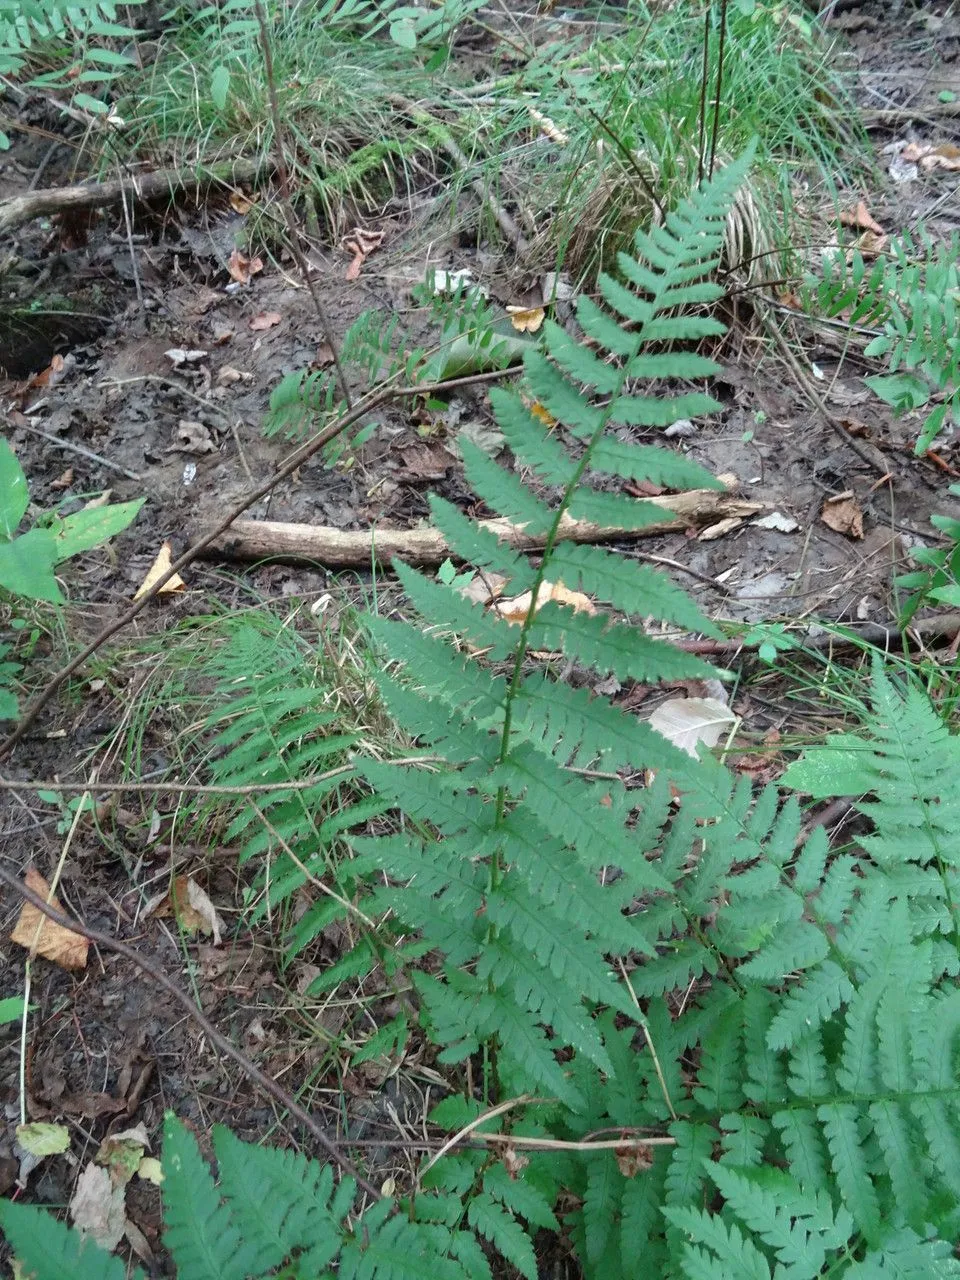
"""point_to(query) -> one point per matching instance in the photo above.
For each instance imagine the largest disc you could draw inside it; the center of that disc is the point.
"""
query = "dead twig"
(229, 1050)
(944, 627)
(18, 210)
(78, 449)
(276, 540)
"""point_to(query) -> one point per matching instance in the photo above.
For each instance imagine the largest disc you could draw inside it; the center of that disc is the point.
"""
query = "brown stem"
(266, 1083)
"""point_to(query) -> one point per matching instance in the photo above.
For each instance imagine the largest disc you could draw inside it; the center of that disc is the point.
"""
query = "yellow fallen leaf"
(526, 319)
(516, 609)
(543, 415)
(54, 942)
(149, 1168)
(159, 567)
(43, 1139)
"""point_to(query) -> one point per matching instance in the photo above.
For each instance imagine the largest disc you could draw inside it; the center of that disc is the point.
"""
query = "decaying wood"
(340, 548)
(142, 187)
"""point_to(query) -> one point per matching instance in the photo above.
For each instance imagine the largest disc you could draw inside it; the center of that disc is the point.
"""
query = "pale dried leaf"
(194, 911)
(686, 722)
(180, 355)
(54, 942)
(265, 320)
(515, 609)
(720, 529)
(843, 515)
(97, 1207)
(777, 521)
(121, 1153)
(159, 567)
(526, 319)
(150, 1169)
(484, 586)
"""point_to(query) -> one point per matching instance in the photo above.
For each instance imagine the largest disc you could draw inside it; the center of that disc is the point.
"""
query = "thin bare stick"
(200, 789)
(229, 1050)
(317, 883)
(559, 1144)
(70, 447)
(455, 1139)
(283, 181)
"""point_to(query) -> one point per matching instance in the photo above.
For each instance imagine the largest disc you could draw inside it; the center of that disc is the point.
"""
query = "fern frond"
(50, 1250)
(199, 1230)
(282, 1199)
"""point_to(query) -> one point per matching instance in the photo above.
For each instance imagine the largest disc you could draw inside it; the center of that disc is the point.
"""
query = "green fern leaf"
(283, 1201)
(803, 1143)
(727, 1254)
(503, 1231)
(520, 1197)
(199, 1230)
(601, 1204)
(842, 1131)
(50, 1250)
(807, 1006)
(687, 1170)
(629, 587)
(744, 1139)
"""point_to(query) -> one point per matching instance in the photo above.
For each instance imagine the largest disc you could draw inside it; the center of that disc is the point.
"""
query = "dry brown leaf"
(157, 570)
(194, 911)
(240, 203)
(633, 1158)
(526, 319)
(843, 515)
(928, 155)
(515, 610)
(265, 320)
(861, 218)
(64, 480)
(97, 1207)
(361, 243)
(62, 946)
(241, 268)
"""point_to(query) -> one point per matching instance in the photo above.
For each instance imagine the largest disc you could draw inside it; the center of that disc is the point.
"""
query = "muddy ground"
(105, 1048)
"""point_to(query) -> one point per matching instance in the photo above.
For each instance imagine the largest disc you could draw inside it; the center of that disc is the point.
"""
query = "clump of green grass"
(612, 118)
(640, 127)
(206, 96)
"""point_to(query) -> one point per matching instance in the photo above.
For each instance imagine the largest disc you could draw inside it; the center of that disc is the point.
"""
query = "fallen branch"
(219, 1041)
(339, 548)
(17, 210)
